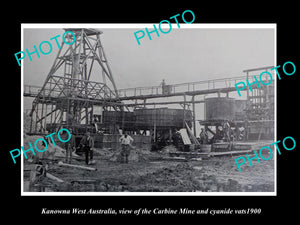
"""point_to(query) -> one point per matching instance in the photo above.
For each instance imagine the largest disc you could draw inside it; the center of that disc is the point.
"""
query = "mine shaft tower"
(68, 95)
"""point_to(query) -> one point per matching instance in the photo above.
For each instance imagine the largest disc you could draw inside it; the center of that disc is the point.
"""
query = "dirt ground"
(158, 172)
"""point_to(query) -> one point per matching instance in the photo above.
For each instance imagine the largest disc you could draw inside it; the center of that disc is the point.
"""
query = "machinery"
(80, 93)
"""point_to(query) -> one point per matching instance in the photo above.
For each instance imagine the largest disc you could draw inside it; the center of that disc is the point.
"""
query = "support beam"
(210, 130)
(194, 116)
(184, 108)
(161, 103)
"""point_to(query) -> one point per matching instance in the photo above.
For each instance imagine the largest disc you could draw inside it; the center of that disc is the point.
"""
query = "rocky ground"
(156, 172)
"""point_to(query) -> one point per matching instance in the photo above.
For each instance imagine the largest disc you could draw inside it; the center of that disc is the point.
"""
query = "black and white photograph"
(128, 109)
(150, 112)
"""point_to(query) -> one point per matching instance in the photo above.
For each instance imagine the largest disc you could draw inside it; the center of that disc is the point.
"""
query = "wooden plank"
(60, 163)
(185, 138)
(192, 135)
(202, 154)
(50, 176)
(229, 153)
(174, 158)
(208, 154)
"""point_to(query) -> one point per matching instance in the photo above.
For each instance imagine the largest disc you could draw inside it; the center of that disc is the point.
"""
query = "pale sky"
(183, 55)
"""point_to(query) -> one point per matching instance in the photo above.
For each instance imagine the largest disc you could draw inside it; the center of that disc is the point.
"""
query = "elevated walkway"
(223, 85)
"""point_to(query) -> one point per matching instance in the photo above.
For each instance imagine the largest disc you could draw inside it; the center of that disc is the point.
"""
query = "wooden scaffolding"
(69, 93)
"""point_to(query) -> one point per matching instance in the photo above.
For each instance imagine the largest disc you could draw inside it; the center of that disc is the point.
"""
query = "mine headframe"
(70, 92)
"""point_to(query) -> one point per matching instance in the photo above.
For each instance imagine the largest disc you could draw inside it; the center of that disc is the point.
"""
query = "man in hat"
(203, 137)
(126, 141)
(70, 147)
(227, 131)
(87, 143)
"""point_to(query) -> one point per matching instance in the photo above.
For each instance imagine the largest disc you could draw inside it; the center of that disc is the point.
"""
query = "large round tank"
(220, 108)
(240, 107)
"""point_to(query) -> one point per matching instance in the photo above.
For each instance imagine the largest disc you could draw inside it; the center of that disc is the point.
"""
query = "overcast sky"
(183, 55)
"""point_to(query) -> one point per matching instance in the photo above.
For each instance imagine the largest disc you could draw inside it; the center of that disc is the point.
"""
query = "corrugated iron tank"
(162, 117)
(147, 118)
(220, 108)
(240, 107)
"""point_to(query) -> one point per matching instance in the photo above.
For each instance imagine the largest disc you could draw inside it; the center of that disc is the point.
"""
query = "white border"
(22, 114)
(123, 26)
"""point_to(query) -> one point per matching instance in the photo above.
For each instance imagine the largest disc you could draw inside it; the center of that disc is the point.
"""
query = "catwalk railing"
(190, 88)
(222, 85)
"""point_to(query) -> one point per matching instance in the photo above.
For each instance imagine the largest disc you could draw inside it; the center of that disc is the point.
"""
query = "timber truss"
(68, 95)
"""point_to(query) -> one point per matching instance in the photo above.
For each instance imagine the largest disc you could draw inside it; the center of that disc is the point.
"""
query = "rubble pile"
(168, 179)
(136, 155)
(168, 149)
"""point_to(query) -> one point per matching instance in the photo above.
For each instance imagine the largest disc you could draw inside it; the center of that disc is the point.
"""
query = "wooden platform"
(221, 149)
(208, 154)
(237, 146)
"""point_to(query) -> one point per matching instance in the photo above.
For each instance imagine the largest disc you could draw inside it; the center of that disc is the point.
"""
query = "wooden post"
(42, 113)
(194, 116)
(68, 113)
(154, 125)
(184, 105)
(122, 108)
(247, 75)
(45, 123)
(36, 117)
(31, 121)
(86, 115)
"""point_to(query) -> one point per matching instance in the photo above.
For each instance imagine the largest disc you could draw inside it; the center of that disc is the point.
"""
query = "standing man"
(87, 142)
(227, 131)
(163, 86)
(126, 141)
(203, 136)
(70, 146)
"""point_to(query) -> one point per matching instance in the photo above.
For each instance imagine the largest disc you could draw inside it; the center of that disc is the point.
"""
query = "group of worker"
(224, 131)
(87, 144)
